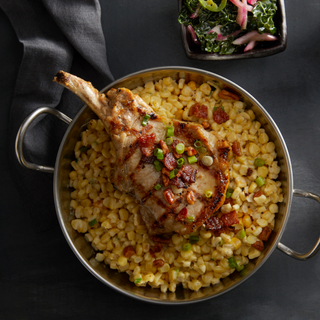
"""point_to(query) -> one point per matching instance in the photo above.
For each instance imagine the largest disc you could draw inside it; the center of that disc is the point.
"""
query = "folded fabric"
(56, 35)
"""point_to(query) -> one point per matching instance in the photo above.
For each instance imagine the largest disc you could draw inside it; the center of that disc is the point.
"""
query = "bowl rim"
(56, 190)
(255, 53)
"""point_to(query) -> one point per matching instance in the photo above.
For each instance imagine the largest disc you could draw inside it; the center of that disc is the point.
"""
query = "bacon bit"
(258, 245)
(128, 251)
(164, 146)
(151, 159)
(236, 148)
(169, 195)
(249, 172)
(258, 194)
(265, 233)
(205, 124)
(176, 155)
(200, 111)
(190, 151)
(224, 229)
(213, 223)
(219, 116)
(182, 215)
(227, 95)
(230, 218)
(229, 200)
(158, 263)
(176, 181)
(188, 174)
(155, 249)
(146, 144)
(160, 239)
(165, 180)
(169, 161)
(190, 197)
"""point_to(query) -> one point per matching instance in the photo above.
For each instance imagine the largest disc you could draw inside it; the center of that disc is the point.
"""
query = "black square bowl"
(269, 48)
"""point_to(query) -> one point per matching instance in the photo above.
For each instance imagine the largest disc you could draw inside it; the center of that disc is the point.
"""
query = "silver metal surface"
(84, 251)
(22, 131)
(294, 254)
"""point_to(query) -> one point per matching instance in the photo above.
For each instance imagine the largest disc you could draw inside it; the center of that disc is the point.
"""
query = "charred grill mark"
(132, 150)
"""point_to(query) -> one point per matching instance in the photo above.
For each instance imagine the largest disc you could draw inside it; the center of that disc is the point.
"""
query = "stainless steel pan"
(84, 251)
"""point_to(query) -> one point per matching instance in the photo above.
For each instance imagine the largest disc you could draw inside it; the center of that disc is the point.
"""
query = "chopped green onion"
(186, 246)
(192, 159)
(260, 181)
(157, 186)
(158, 165)
(212, 259)
(198, 144)
(207, 161)
(258, 162)
(137, 280)
(145, 120)
(83, 149)
(241, 234)
(177, 270)
(180, 148)
(203, 150)
(243, 272)
(190, 219)
(159, 153)
(229, 193)
(180, 162)
(232, 263)
(170, 131)
(93, 222)
(208, 193)
(239, 267)
(169, 141)
(221, 243)
(194, 239)
(173, 173)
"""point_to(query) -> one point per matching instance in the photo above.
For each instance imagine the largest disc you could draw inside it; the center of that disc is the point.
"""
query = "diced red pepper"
(230, 218)
(219, 116)
(182, 214)
(146, 144)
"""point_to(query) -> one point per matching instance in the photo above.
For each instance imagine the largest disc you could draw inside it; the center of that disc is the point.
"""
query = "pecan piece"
(164, 146)
(169, 195)
(190, 197)
(227, 95)
(190, 151)
(158, 263)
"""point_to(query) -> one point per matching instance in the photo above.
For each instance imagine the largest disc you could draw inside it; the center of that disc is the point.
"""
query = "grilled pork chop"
(180, 205)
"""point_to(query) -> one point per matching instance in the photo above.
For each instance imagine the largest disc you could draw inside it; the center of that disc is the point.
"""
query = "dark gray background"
(40, 276)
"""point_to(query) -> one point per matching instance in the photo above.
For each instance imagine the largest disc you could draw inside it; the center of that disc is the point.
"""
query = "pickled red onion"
(193, 35)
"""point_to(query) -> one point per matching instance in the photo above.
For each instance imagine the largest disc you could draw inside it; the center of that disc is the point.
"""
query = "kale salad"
(229, 26)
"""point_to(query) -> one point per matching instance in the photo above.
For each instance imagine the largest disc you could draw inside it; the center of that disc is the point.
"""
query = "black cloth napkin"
(56, 35)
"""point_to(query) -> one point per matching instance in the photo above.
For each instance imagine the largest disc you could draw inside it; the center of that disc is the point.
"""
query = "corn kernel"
(236, 243)
(246, 220)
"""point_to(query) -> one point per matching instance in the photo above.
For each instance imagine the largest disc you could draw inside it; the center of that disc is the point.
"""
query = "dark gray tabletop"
(40, 276)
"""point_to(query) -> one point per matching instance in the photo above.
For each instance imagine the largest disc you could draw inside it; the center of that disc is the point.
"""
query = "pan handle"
(22, 131)
(315, 249)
